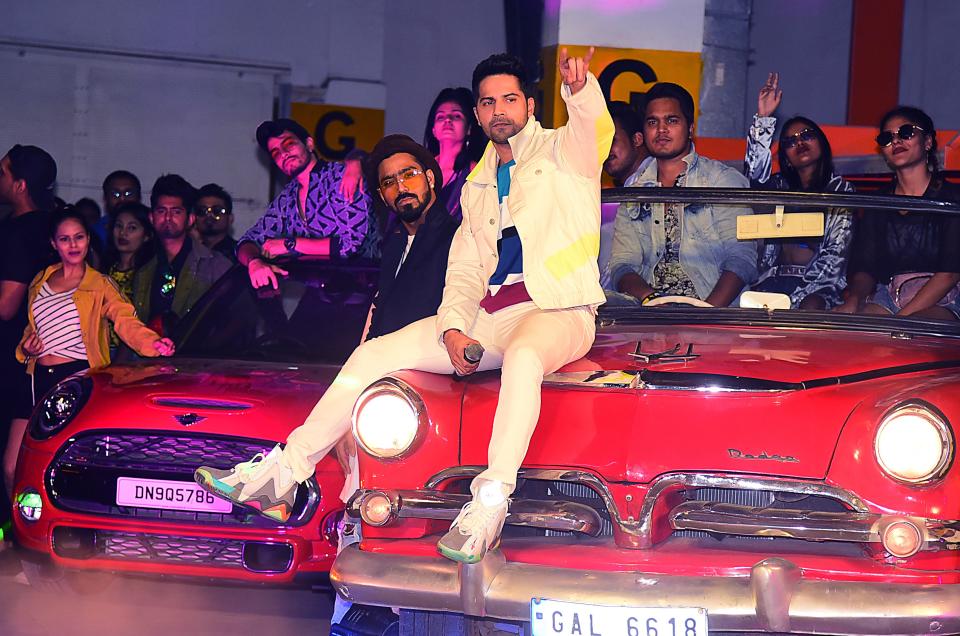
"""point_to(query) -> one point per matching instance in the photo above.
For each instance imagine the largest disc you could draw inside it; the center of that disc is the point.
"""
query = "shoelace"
(246, 469)
(475, 516)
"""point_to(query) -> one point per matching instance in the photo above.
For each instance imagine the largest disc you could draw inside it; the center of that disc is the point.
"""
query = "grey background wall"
(808, 43)
(930, 60)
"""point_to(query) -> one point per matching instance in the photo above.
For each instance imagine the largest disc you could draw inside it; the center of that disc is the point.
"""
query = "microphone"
(473, 353)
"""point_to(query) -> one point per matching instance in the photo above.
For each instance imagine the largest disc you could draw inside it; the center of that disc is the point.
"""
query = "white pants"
(527, 342)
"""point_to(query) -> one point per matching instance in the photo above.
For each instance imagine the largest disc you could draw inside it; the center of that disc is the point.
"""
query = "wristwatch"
(291, 244)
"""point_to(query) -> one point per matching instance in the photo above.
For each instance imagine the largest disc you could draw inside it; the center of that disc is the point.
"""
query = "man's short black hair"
(214, 190)
(173, 185)
(120, 174)
(670, 90)
(276, 127)
(499, 64)
(626, 117)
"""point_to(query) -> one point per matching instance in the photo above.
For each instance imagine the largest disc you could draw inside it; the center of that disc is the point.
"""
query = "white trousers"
(527, 342)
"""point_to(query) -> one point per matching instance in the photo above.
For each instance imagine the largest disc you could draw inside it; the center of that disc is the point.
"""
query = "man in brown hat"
(404, 177)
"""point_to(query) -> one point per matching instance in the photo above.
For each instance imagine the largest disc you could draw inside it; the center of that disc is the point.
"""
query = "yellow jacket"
(98, 300)
(555, 205)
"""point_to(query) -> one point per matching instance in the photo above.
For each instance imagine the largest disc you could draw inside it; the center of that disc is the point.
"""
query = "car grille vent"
(757, 499)
(567, 491)
(162, 453)
(83, 475)
(201, 403)
(128, 546)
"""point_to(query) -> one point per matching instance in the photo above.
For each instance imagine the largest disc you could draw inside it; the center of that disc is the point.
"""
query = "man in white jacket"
(522, 281)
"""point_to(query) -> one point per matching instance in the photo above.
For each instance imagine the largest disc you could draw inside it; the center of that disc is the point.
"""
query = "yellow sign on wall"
(336, 130)
(624, 75)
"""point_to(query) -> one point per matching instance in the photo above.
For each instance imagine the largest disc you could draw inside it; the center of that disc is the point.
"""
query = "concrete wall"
(317, 39)
(808, 43)
(432, 44)
(930, 60)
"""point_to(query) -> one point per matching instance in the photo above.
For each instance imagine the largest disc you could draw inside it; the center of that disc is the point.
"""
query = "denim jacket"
(708, 243)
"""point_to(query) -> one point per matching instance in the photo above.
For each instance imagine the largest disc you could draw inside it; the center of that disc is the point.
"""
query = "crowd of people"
(487, 235)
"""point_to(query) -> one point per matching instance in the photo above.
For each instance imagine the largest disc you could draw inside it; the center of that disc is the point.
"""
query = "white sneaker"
(478, 526)
(264, 484)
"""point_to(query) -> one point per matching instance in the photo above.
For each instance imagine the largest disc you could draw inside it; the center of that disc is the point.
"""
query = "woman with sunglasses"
(908, 263)
(69, 308)
(456, 141)
(811, 272)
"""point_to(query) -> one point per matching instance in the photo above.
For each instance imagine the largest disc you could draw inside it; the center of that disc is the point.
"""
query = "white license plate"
(168, 495)
(549, 617)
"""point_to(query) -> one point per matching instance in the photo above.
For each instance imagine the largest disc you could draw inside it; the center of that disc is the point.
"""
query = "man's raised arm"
(584, 142)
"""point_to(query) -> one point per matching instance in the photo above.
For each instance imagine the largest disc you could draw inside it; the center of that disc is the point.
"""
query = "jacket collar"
(649, 175)
(87, 283)
(485, 172)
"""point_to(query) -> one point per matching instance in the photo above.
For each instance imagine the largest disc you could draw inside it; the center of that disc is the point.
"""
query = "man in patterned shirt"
(674, 249)
(310, 215)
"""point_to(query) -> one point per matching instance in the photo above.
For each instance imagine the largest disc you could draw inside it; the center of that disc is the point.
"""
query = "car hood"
(224, 397)
(755, 400)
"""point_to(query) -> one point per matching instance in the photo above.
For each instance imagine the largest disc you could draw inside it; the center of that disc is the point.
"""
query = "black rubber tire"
(420, 623)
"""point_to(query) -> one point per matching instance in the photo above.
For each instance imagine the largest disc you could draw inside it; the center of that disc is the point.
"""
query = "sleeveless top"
(58, 323)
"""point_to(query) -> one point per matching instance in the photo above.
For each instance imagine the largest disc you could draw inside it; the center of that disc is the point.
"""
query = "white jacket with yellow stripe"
(555, 205)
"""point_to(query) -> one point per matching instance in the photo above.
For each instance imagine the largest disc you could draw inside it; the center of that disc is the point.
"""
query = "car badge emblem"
(669, 355)
(738, 454)
(188, 419)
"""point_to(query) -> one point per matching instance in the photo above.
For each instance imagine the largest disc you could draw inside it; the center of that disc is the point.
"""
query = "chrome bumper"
(775, 597)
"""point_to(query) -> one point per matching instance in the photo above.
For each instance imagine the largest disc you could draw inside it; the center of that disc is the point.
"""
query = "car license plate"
(168, 495)
(549, 617)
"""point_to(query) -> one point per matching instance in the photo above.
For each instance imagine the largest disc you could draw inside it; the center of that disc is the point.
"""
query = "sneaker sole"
(462, 557)
(213, 485)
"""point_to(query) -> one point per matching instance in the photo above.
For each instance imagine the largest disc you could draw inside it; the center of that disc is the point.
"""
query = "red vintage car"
(730, 470)
(104, 480)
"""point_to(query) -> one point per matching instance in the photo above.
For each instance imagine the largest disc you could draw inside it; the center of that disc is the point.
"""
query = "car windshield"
(794, 235)
(317, 315)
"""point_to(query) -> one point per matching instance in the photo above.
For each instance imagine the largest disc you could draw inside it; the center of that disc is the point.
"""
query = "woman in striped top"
(69, 307)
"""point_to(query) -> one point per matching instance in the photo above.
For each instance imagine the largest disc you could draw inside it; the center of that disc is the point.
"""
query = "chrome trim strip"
(724, 518)
(567, 516)
(638, 534)
(775, 597)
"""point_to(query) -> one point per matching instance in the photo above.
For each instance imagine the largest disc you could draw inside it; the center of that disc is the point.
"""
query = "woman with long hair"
(456, 140)
(811, 272)
(69, 308)
(907, 263)
(130, 244)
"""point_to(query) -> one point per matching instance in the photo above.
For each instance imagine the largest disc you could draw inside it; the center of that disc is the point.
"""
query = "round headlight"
(914, 444)
(59, 406)
(388, 418)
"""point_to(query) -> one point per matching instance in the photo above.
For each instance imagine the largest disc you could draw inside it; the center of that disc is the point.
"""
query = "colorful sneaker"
(477, 528)
(263, 484)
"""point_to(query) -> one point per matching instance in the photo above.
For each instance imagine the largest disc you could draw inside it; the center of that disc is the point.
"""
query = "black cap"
(37, 168)
(391, 145)
(276, 127)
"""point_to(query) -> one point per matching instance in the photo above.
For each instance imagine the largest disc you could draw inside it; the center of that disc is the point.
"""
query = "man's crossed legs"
(525, 341)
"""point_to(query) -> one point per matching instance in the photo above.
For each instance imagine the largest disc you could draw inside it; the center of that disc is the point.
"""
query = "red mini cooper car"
(700, 469)
(104, 480)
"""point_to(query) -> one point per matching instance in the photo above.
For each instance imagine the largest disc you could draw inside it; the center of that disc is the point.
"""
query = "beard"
(500, 134)
(409, 208)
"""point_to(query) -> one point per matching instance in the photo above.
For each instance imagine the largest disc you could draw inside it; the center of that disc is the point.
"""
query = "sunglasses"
(123, 194)
(412, 177)
(907, 131)
(216, 211)
(806, 135)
